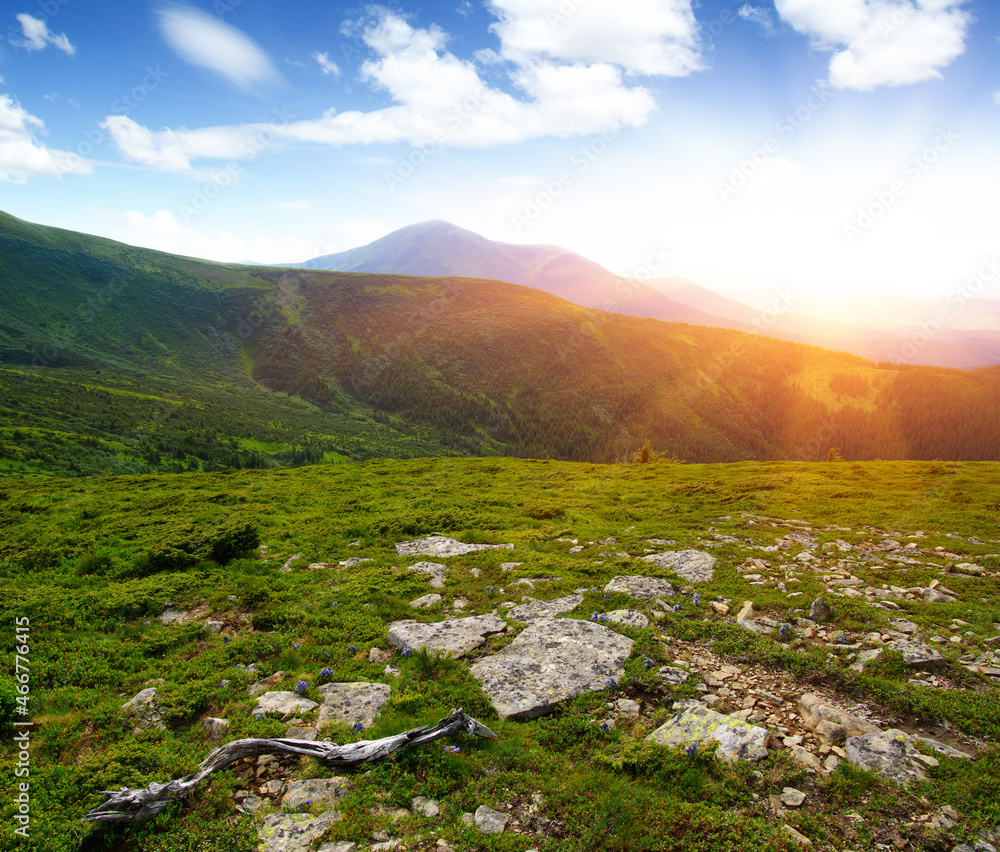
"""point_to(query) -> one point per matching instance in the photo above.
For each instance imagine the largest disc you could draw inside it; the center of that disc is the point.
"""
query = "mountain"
(440, 248)
(971, 337)
(118, 359)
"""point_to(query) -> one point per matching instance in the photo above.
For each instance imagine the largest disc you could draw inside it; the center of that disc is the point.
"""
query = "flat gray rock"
(673, 675)
(639, 586)
(489, 821)
(442, 546)
(890, 754)
(436, 570)
(170, 616)
(551, 661)
(533, 610)
(628, 617)
(697, 725)
(904, 625)
(455, 637)
(917, 655)
(293, 832)
(315, 791)
(351, 703)
(283, 703)
(426, 601)
(696, 566)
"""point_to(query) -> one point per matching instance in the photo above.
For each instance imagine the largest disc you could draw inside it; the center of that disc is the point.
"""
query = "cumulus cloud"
(37, 36)
(212, 44)
(572, 74)
(657, 37)
(881, 42)
(325, 65)
(22, 155)
(759, 16)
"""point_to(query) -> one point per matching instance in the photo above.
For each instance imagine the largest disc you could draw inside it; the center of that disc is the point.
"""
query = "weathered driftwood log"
(137, 805)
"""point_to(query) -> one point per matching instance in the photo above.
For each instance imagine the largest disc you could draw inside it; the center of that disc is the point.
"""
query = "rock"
(288, 562)
(301, 731)
(250, 804)
(351, 703)
(628, 617)
(442, 546)
(264, 684)
(814, 709)
(351, 561)
(865, 657)
(426, 601)
(426, 807)
(937, 596)
(820, 611)
(315, 791)
(144, 710)
(942, 748)
(695, 566)
(489, 821)
(534, 610)
(796, 836)
(628, 708)
(214, 626)
(509, 566)
(830, 732)
(436, 570)
(293, 832)
(215, 728)
(673, 675)
(638, 586)
(551, 661)
(697, 725)
(170, 616)
(454, 637)
(805, 758)
(746, 611)
(720, 608)
(903, 625)
(890, 754)
(792, 798)
(917, 655)
(283, 703)
(338, 846)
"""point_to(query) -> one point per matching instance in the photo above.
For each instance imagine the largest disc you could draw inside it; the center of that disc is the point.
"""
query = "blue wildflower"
(301, 687)
(357, 726)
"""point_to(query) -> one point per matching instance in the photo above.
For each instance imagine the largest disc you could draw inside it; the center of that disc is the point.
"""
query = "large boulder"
(533, 610)
(695, 566)
(454, 637)
(697, 725)
(294, 832)
(639, 586)
(551, 661)
(351, 703)
(890, 754)
(917, 655)
(442, 546)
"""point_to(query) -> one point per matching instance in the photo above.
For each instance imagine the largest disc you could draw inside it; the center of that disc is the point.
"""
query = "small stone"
(720, 608)
(490, 821)
(792, 798)
(746, 611)
(830, 732)
(797, 837)
(216, 727)
(820, 611)
(426, 807)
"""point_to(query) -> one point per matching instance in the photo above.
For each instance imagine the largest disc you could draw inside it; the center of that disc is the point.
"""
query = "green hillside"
(89, 565)
(124, 360)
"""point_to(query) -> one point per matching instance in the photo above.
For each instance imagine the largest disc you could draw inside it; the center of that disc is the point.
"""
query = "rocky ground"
(532, 649)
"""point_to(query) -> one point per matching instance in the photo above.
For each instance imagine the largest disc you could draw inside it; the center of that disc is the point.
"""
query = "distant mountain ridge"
(436, 248)
(970, 338)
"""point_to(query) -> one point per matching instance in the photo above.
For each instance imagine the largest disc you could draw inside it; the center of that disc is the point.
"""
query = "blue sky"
(843, 150)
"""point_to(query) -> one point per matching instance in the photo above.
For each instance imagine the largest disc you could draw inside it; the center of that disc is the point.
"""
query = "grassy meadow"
(91, 562)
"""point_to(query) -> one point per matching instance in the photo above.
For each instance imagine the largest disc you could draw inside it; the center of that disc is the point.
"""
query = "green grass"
(92, 561)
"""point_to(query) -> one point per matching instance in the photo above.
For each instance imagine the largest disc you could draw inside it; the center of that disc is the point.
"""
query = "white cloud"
(326, 66)
(996, 98)
(37, 36)
(655, 37)
(759, 16)
(881, 42)
(22, 155)
(440, 99)
(216, 46)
